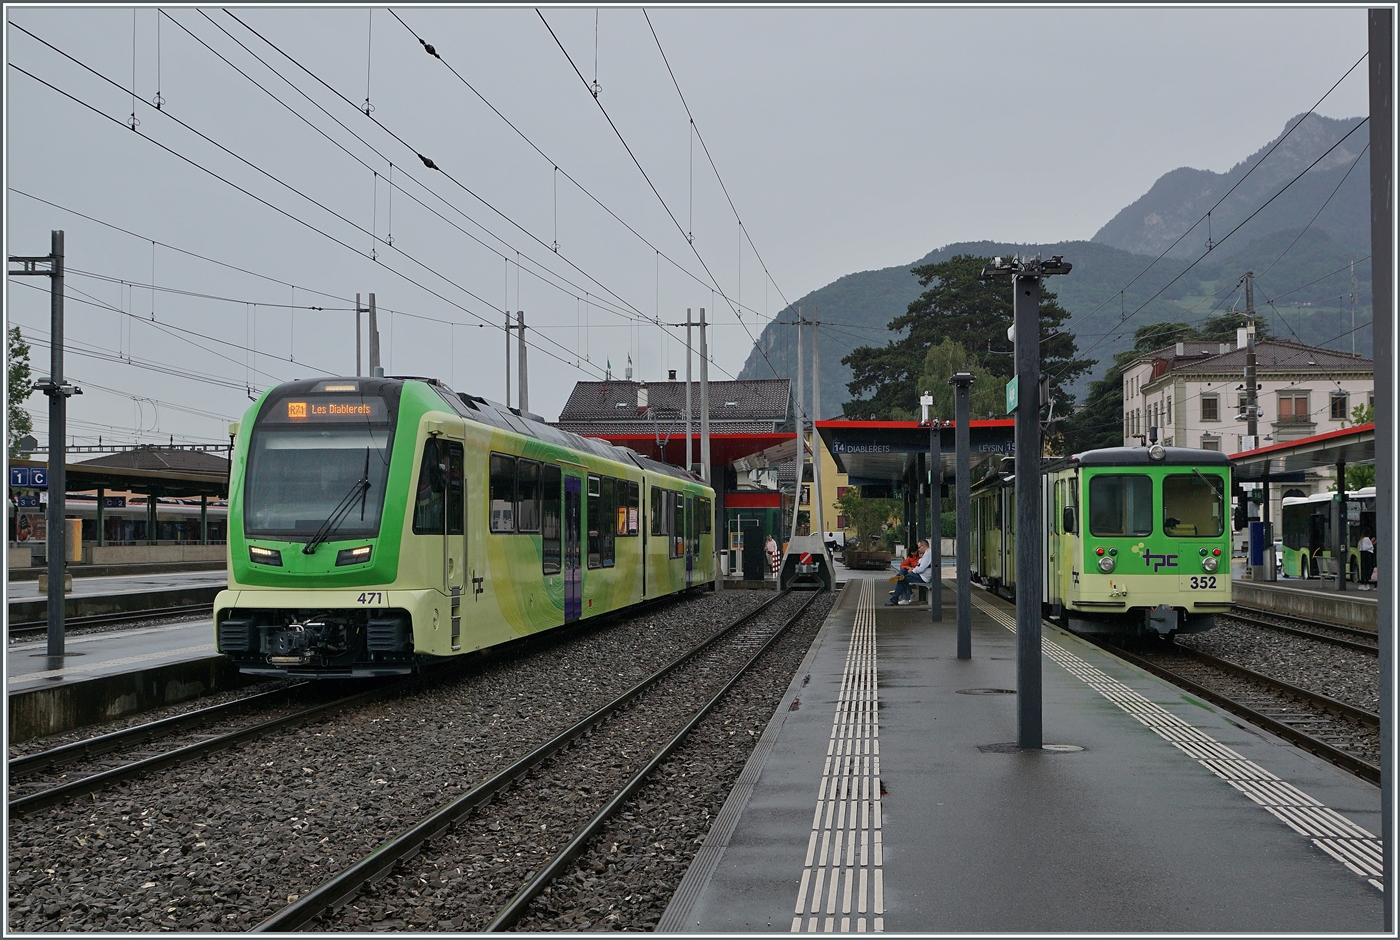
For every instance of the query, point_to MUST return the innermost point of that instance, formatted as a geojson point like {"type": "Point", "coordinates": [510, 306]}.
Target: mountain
{"type": "Point", "coordinates": [1303, 271]}
{"type": "Point", "coordinates": [1179, 198]}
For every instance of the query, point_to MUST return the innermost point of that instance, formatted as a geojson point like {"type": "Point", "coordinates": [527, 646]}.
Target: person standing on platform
{"type": "Point", "coordinates": [1367, 548]}
{"type": "Point", "coordinates": [919, 574]}
{"type": "Point", "coordinates": [775, 557]}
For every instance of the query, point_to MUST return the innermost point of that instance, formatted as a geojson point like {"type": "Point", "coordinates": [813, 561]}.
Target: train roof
{"type": "Point", "coordinates": [1138, 456]}
{"type": "Point", "coordinates": [484, 411]}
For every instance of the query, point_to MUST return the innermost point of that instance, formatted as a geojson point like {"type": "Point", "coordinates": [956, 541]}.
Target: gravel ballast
{"type": "Point", "coordinates": [223, 842]}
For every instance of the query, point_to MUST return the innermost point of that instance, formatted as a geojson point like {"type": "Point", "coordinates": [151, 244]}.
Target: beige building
{"type": "Point", "coordinates": [1193, 393]}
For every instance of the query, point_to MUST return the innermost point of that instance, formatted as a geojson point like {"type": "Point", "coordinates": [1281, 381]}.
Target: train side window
{"type": "Point", "coordinates": [551, 482]}
{"type": "Point", "coordinates": [629, 507]}
{"type": "Point", "coordinates": [527, 497]}
{"type": "Point", "coordinates": [705, 520]}
{"type": "Point", "coordinates": [432, 488]}
{"type": "Point", "coordinates": [1193, 505]}
{"type": "Point", "coordinates": [456, 505]}
{"type": "Point", "coordinates": [656, 510]}
{"type": "Point", "coordinates": [595, 511]}
{"type": "Point", "coordinates": [502, 493]}
{"type": "Point", "coordinates": [620, 507]}
{"type": "Point", "coordinates": [1120, 504]}
{"type": "Point", "coordinates": [607, 523]}
{"type": "Point", "coordinates": [677, 525]}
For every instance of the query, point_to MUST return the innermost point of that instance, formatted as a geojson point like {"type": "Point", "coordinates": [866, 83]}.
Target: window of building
{"type": "Point", "coordinates": [1210, 407]}
{"type": "Point", "coordinates": [1169, 409]}
{"type": "Point", "coordinates": [1339, 410]}
{"type": "Point", "coordinates": [1210, 443]}
{"type": "Point", "coordinates": [502, 493]}
{"type": "Point", "coordinates": [1293, 408]}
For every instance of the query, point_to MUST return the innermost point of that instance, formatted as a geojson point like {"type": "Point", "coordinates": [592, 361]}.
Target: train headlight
{"type": "Point", "coordinates": [1107, 564]}
{"type": "Point", "coordinates": [265, 556]}
{"type": "Point", "coordinates": [1210, 563]}
{"type": "Point", "coordinates": [353, 556]}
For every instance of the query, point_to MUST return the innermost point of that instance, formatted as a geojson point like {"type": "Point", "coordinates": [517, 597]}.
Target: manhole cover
{"type": "Point", "coordinates": [986, 691]}
{"type": "Point", "coordinates": [1014, 748]}
{"type": "Point", "coordinates": [1062, 748]}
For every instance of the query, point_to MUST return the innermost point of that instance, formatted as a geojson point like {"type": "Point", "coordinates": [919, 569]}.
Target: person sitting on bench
{"type": "Point", "coordinates": [919, 574]}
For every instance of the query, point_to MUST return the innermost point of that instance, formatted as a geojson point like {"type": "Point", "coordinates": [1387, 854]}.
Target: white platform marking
{"type": "Point", "coordinates": [848, 801]}
{"type": "Point", "coordinates": [1339, 837]}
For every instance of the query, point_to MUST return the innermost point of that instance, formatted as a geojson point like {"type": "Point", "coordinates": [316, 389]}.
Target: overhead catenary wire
{"type": "Point", "coordinates": [1232, 231]}
{"type": "Point", "coordinates": [278, 209]}
{"type": "Point", "coordinates": [714, 282]}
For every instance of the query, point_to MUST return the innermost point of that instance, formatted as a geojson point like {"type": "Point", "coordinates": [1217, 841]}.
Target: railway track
{"type": "Point", "coordinates": [36, 628]}
{"type": "Point", "coordinates": [1335, 731]}
{"type": "Point", "coordinates": [1347, 637]}
{"type": "Point", "coordinates": [47, 778]}
{"type": "Point", "coordinates": [511, 789]}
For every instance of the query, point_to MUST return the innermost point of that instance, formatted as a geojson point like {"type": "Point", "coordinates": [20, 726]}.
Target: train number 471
{"type": "Point", "coordinates": [372, 597]}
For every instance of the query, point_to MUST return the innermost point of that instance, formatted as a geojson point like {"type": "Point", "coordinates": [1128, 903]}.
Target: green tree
{"type": "Point", "coordinates": [987, 396]}
{"type": "Point", "coordinates": [869, 517]}
{"type": "Point", "coordinates": [17, 375]}
{"type": "Point", "coordinates": [1363, 414]}
{"type": "Point", "coordinates": [1361, 476]}
{"type": "Point", "coordinates": [956, 303]}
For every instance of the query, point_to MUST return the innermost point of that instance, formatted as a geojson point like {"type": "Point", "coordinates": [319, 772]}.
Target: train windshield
{"type": "Point", "coordinates": [1120, 504]}
{"type": "Point", "coordinates": [1193, 505]}
{"type": "Point", "coordinates": [298, 477]}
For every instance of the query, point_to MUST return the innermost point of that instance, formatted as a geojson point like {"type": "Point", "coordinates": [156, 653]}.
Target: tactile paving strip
{"type": "Point", "coordinates": [1339, 837]}
{"type": "Point", "coordinates": [842, 885]}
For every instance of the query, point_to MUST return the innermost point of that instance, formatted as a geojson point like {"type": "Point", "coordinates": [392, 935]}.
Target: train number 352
{"type": "Point", "coordinates": [1203, 583]}
{"type": "Point", "coordinates": [377, 597]}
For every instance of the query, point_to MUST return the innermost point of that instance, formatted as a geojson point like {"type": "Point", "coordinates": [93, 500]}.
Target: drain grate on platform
{"type": "Point", "coordinates": [986, 691]}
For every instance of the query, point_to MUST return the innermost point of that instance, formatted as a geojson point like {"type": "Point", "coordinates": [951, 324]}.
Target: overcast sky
{"type": "Point", "coordinates": [847, 140]}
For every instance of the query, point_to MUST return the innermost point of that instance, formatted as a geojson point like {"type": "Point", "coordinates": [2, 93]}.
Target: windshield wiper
{"type": "Point", "coordinates": [359, 490]}
{"type": "Point", "coordinates": [1219, 491]}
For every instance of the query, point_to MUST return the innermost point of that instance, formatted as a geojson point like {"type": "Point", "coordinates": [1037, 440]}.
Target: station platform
{"type": "Point", "coordinates": [887, 795]}
{"type": "Point", "coordinates": [118, 593]}
{"type": "Point", "coordinates": [106, 675]}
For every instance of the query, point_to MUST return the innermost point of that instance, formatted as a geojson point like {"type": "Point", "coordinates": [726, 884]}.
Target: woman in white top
{"type": "Point", "coordinates": [1368, 557]}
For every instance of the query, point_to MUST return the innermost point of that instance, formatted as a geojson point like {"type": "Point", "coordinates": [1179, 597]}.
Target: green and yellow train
{"type": "Point", "coordinates": [377, 525]}
{"type": "Point", "coordinates": [1136, 539]}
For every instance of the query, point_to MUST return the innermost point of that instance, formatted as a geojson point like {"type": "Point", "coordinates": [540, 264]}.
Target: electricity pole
{"type": "Point", "coordinates": [58, 392]}
{"type": "Point", "coordinates": [359, 367]}
{"type": "Point", "coordinates": [508, 329]}
{"type": "Point", "coordinates": [524, 380]}
{"type": "Point", "coordinates": [797, 411]}
{"type": "Point", "coordinates": [689, 459]}
{"type": "Point", "coordinates": [819, 516]}
{"type": "Point", "coordinates": [1251, 390]}
{"type": "Point", "coordinates": [375, 367]}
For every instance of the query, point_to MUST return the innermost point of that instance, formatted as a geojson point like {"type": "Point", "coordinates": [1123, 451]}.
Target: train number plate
{"type": "Point", "coordinates": [1201, 582]}
{"type": "Point", "coordinates": [372, 597]}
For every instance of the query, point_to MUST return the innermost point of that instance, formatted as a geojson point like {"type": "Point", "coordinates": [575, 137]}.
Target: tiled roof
{"type": "Point", "coordinates": [1273, 355]}
{"type": "Point", "coordinates": [764, 400]}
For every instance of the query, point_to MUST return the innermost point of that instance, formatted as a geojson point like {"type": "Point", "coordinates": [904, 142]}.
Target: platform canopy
{"type": "Point", "coordinates": [156, 471]}
{"type": "Point", "coordinates": [1289, 461]}
{"type": "Point", "coordinates": [875, 453]}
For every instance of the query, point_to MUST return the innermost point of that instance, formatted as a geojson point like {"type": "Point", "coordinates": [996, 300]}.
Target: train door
{"type": "Point", "coordinates": [643, 529]}
{"type": "Point", "coordinates": [573, 548]}
{"type": "Point", "coordinates": [690, 540]}
{"type": "Point", "coordinates": [455, 538]}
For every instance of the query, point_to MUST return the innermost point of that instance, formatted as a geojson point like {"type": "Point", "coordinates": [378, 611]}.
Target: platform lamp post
{"type": "Point", "coordinates": [962, 447]}
{"type": "Point", "coordinates": [58, 392]}
{"type": "Point", "coordinates": [1022, 399]}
